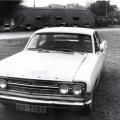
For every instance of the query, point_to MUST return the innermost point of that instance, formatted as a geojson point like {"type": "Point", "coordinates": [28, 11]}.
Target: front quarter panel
{"type": "Point", "coordinates": [90, 69]}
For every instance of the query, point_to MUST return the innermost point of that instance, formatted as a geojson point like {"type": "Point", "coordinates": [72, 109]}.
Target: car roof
{"type": "Point", "coordinates": [78, 30]}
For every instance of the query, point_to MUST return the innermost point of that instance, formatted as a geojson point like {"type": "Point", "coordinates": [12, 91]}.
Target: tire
{"type": "Point", "coordinates": [98, 81]}
{"type": "Point", "coordinates": [2, 108]}
{"type": "Point", "coordinates": [87, 110]}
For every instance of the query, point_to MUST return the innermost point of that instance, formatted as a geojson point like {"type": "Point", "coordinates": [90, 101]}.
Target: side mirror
{"type": "Point", "coordinates": [103, 46]}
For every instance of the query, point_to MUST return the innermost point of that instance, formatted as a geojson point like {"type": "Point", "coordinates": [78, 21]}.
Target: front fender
{"type": "Point", "coordinates": [89, 71]}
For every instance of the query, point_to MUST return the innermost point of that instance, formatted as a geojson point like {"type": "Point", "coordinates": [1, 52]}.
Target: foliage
{"type": "Point", "coordinates": [101, 8]}
{"type": "Point", "coordinates": [8, 6]}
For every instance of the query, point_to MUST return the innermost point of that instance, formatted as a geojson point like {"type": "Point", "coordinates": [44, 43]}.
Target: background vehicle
{"type": "Point", "coordinates": [7, 27]}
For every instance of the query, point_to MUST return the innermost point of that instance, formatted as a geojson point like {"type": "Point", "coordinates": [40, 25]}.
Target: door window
{"type": "Point", "coordinates": [97, 41]}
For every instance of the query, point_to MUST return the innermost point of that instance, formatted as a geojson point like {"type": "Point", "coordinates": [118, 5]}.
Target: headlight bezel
{"type": "Point", "coordinates": [71, 86]}
{"type": "Point", "coordinates": [67, 87]}
{"type": "Point", "coordinates": [3, 84]}
{"type": "Point", "coordinates": [79, 91]}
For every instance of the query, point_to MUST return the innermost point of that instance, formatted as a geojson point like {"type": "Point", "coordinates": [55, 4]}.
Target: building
{"type": "Point", "coordinates": [53, 15]}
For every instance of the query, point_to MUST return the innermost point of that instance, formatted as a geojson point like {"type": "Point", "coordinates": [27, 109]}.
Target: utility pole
{"type": "Point", "coordinates": [106, 11]}
{"type": "Point", "coordinates": [34, 3]}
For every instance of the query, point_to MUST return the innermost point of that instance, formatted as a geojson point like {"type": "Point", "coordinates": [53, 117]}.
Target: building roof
{"type": "Point", "coordinates": [78, 30]}
{"type": "Point", "coordinates": [67, 7]}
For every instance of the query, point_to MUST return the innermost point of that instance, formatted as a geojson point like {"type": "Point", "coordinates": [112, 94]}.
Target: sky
{"type": "Point", "coordinates": [42, 3]}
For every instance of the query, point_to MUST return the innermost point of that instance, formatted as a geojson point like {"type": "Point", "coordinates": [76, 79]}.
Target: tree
{"type": "Point", "coordinates": [102, 8]}
{"type": "Point", "coordinates": [7, 7]}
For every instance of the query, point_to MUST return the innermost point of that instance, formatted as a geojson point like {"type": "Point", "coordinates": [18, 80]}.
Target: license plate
{"type": "Point", "coordinates": [31, 108]}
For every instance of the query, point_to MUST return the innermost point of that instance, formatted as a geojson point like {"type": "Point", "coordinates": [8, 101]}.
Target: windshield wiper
{"type": "Point", "coordinates": [32, 48]}
{"type": "Point", "coordinates": [69, 50]}
{"type": "Point", "coordinates": [39, 49]}
{"type": "Point", "coordinates": [65, 50]}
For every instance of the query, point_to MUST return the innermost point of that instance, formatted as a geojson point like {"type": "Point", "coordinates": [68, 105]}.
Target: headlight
{"type": "Point", "coordinates": [3, 84]}
{"type": "Point", "coordinates": [64, 89]}
{"type": "Point", "coordinates": [77, 90]}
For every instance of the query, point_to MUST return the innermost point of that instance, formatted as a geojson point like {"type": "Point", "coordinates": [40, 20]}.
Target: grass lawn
{"type": "Point", "coordinates": [12, 46]}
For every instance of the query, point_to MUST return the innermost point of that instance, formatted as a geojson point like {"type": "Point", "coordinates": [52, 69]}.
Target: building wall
{"type": "Point", "coordinates": [40, 17]}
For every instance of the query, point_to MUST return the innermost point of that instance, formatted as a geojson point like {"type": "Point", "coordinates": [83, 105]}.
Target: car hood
{"type": "Point", "coordinates": [42, 65]}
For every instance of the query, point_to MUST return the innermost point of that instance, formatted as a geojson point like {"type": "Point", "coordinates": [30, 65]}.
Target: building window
{"type": "Point", "coordinates": [38, 18]}
{"type": "Point", "coordinates": [76, 21]}
{"type": "Point", "coordinates": [59, 18]}
{"type": "Point", "coordinates": [75, 18]}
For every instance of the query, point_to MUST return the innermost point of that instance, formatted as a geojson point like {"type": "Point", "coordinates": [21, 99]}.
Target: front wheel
{"type": "Point", "coordinates": [87, 109]}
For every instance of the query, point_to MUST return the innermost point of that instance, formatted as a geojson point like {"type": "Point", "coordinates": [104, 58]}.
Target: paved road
{"type": "Point", "coordinates": [11, 114]}
{"type": "Point", "coordinates": [14, 35]}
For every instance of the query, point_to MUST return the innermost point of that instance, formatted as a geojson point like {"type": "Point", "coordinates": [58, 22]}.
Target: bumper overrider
{"type": "Point", "coordinates": [58, 101]}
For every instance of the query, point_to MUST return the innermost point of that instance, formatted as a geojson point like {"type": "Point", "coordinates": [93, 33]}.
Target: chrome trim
{"type": "Point", "coordinates": [88, 102]}
{"type": "Point", "coordinates": [43, 96]}
{"type": "Point", "coordinates": [45, 101]}
{"type": "Point", "coordinates": [4, 81]}
{"type": "Point", "coordinates": [25, 85]}
{"type": "Point", "coordinates": [23, 92]}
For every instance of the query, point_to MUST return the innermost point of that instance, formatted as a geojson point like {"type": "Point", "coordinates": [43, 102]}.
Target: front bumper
{"type": "Point", "coordinates": [46, 100]}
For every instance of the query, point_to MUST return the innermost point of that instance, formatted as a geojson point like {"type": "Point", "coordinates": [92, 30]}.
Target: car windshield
{"type": "Point", "coordinates": [61, 42]}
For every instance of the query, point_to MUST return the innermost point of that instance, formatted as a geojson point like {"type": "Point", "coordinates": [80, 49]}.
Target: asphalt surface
{"type": "Point", "coordinates": [107, 96]}
{"type": "Point", "coordinates": [14, 35]}
{"type": "Point", "coordinates": [26, 34]}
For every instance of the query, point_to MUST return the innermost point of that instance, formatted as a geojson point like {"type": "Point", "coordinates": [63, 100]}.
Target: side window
{"type": "Point", "coordinates": [97, 43]}
{"type": "Point", "coordinates": [98, 37]}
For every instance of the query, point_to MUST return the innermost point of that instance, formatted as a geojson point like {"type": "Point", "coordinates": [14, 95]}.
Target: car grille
{"type": "Point", "coordinates": [38, 87]}
{"type": "Point", "coordinates": [32, 86]}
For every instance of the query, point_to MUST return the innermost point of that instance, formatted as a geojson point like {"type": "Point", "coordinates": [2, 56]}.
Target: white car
{"type": "Point", "coordinates": [59, 67]}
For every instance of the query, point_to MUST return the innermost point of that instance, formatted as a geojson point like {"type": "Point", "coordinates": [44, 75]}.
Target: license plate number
{"type": "Point", "coordinates": [31, 108]}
